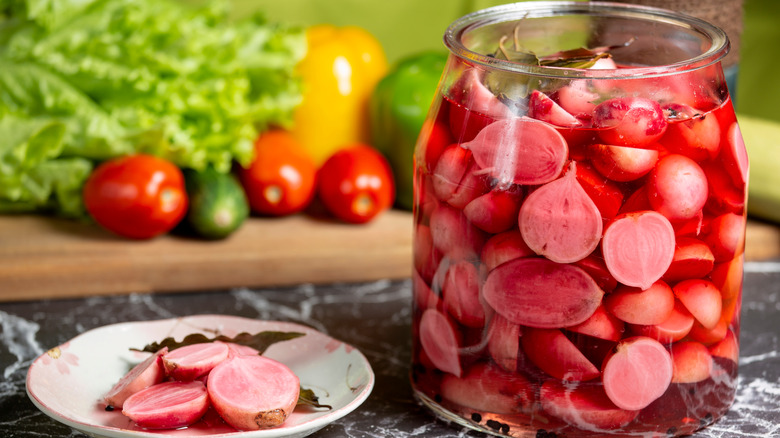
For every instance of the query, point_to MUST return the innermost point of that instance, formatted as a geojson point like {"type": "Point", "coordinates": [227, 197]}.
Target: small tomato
{"type": "Point", "coordinates": [356, 184]}
{"type": "Point", "coordinates": [137, 196]}
{"type": "Point", "coordinates": [281, 179]}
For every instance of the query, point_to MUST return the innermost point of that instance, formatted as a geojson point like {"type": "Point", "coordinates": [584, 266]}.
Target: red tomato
{"type": "Point", "coordinates": [281, 179]}
{"type": "Point", "coordinates": [356, 184]}
{"type": "Point", "coordinates": [138, 196]}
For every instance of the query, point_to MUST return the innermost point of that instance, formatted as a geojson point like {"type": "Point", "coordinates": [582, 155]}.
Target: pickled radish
{"type": "Point", "coordinates": [595, 267]}
{"type": "Point", "coordinates": [488, 388]}
{"type": "Point", "coordinates": [536, 292]}
{"type": "Point", "coordinates": [504, 342]}
{"type": "Point", "coordinates": [577, 99]}
{"type": "Point", "coordinates": [677, 187]}
{"type": "Point", "coordinates": [633, 305]}
{"type": "Point", "coordinates": [253, 392]}
{"type": "Point", "coordinates": [454, 235]}
{"type": "Point", "coordinates": [735, 156]}
{"type": "Point", "coordinates": [726, 237]}
{"type": "Point", "coordinates": [724, 196]}
{"type": "Point", "coordinates": [148, 372]}
{"type": "Point", "coordinates": [702, 299]}
{"type": "Point", "coordinates": [675, 327]}
{"type": "Point", "coordinates": [519, 151]}
{"type": "Point", "coordinates": [556, 355]}
{"type": "Point", "coordinates": [727, 277]}
{"type": "Point", "coordinates": [424, 297]}
{"type": "Point", "coordinates": [440, 340]}
{"type": "Point", "coordinates": [504, 247]}
{"type": "Point", "coordinates": [426, 258]}
{"type": "Point", "coordinates": [585, 406]}
{"type": "Point", "coordinates": [692, 259]}
{"type": "Point", "coordinates": [620, 163]}
{"type": "Point", "coordinates": [636, 201]}
{"type": "Point", "coordinates": [192, 361]}
{"type": "Point", "coordinates": [602, 325]}
{"type": "Point", "coordinates": [560, 221]}
{"type": "Point", "coordinates": [456, 179]}
{"type": "Point", "coordinates": [460, 292]}
{"type": "Point", "coordinates": [607, 196]}
{"type": "Point", "coordinates": [692, 133]}
{"type": "Point", "coordinates": [692, 362]}
{"type": "Point", "coordinates": [541, 107]}
{"type": "Point", "coordinates": [638, 248]}
{"type": "Point", "coordinates": [168, 405]}
{"type": "Point", "coordinates": [495, 211]}
{"type": "Point", "coordinates": [638, 372]}
{"type": "Point", "coordinates": [727, 348]}
{"type": "Point", "coordinates": [629, 121]}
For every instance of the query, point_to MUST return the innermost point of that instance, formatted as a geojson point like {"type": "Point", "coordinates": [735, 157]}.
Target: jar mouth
{"type": "Point", "coordinates": [713, 43]}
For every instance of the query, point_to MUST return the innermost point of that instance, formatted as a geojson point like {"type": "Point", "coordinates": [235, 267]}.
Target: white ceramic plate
{"type": "Point", "coordinates": [68, 381]}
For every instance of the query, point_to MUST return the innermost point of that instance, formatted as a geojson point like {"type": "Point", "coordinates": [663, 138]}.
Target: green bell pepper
{"type": "Point", "coordinates": [398, 108]}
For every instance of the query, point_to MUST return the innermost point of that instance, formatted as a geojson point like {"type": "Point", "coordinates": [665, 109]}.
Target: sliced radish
{"type": "Point", "coordinates": [519, 151]}
{"type": "Point", "coordinates": [426, 257]}
{"type": "Point", "coordinates": [577, 99]}
{"type": "Point", "coordinates": [692, 259]}
{"type": "Point", "coordinates": [472, 106]}
{"type": "Point", "coordinates": [454, 235]}
{"type": "Point", "coordinates": [629, 121]}
{"type": "Point", "coordinates": [539, 293]}
{"type": "Point", "coordinates": [702, 299]}
{"type": "Point", "coordinates": [424, 297]}
{"type": "Point", "coordinates": [602, 325]}
{"type": "Point", "coordinates": [495, 211]}
{"type": "Point", "coordinates": [709, 336]}
{"type": "Point", "coordinates": [727, 277]}
{"type": "Point", "coordinates": [460, 292]}
{"type": "Point", "coordinates": [253, 392]}
{"type": "Point", "coordinates": [435, 136]}
{"type": "Point", "coordinates": [504, 342]}
{"type": "Point", "coordinates": [584, 406]}
{"type": "Point", "coordinates": [637, 201]}
{"type": "Point", "coordinates": [692, 362]}
{"type": "Point", "coordinates": [168, 405]}
{"type": "Point", "coordinates": [488, 388]}
{"type": "Point", "coordinates": [552, 352]}
{"type": "Point", "coordinates": [726, 237]}
{"type": "Point", "coordinates": [727, 348]}
{"type": "Point", "coordinates": [724, 197]}
{"type": "Point", "coordinates": [456, 179]}
{"type": "Point", "coordinates": [503, 247]}
{"type": "Point", "coordinates": [143, 375]}
{"type": "Point", "coordinates": [638, 248]}
{"type": "Point", "coordinates": [677, 187]}
{"type": "Point", "coordinates": [595, 267]}
{"type": "Point", "coordinates": [541, 107]}
{"type": "Point", "coordinates": [440, 341]}
{"type": "Point", "coordinates": [675, 327]}
{"type": "Point", "coordinates": [735, 156]}
{"type": "Point", "coordinates": [607, 196]}
{"type": "Point", "coordinates": [192, 361]}
{"type": "Point", "coordinates": [621, 163]}
{"type": "Point", "coordinates": [560, 221]}
{"type": "Point", "coordinates": [633, 305]}
{"type": "Point", "coordinates": [691, 132]}
{"type": "Point", "coordinates": [638, 372]}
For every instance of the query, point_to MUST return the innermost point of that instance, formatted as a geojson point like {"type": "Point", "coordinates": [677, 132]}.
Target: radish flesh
{"type": "Point", "coordinates": [440, 341]}
{"type": "Point", "coordinates": [143, 375]}
{"type": "Point", "coordinates": [192, 361]}
{"type": "Point", "coordinates": [637, 373]}
{"type": "Point", "coordinates": [253, 392]}
{"type": "Point", "coordinates": [585, 406]}
{"type": "Point", "coordinates": [168, 405]}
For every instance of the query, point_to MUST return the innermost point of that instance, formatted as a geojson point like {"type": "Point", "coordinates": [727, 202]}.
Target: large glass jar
{"type": "Point", "coordinates": [580, 193]}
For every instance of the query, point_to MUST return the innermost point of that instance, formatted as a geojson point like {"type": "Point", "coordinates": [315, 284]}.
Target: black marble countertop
{"type": "Point", "coordinates": [375, 317]}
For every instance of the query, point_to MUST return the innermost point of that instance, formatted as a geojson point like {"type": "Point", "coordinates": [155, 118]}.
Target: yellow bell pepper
{"type": "Point", "coordinates": [339, 72]}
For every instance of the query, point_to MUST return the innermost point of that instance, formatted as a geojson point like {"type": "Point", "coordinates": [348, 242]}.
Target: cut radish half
{"type": "Point", "coordinates": [440, 341]}
{"type": "Point", "coordinates": [637, 373]}
{"type": "Point", "coordinates": [641, 306]}
{"type": "Point", "coordinates": [168, 405]}
{"type": "Point", "coordinates": [584, 406]}
{"type": "Point", "coordinates": [192, 361]}
{"type": "Point", "coordinates": [488, 388]}
{"type": "Point", "coordinates": [556, 355]}
{"type": "Point", "coordinates": [145, 374]}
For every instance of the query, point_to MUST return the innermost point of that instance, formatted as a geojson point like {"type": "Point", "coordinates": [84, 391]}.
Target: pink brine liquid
{"type": "Point", "coordinates": [578, 256]}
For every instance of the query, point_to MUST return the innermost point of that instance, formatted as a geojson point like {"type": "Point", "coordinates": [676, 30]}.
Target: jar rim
{"type": "Point", "coordinates": [718, 49]}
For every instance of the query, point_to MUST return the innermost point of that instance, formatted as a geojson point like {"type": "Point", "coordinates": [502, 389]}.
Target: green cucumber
{"type": "Point", "coordinates": [218, 204]}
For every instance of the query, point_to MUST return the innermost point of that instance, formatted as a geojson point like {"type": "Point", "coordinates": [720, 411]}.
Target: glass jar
{"type": "Point", "coordinates": [579, 210]}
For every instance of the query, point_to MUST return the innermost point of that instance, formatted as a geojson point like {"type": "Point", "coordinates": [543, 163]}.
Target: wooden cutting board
{"type": "Point", "coordinates": [43, 257]}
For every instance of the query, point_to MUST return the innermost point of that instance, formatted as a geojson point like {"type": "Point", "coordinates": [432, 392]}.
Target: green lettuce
{"type": "Point", "coordinates": [83, 81]}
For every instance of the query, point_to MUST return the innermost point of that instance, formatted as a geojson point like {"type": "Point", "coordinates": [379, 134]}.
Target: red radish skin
{"type": "Point", "coordinates": [735, 156]}
{"type": "Point", "coordinates": [690, 132]}
{"type": "Point", "coordinates": [638, 372]}
{"type": "Point", "coordinates": [457, 180]}
{"type": "Point", "coordinates": [143, 375]}
{"type": "Point", "coordinates": [727, 348]}
{"type": "Point", "coordinates": [168, 405]}
{"type": "Point", "coordinates": [726, 237]}
{"type": "Point", "coordinates": [460, 292]}
{"type": "Point", "coordinates": [504, 247]}
{"type": "Point", "coordinates": [620, 163]}
{"type": "Point", "coordinates": [504, 342]}
{"type": "Point", "coordinates": [426, 257]}
{"type": "Point", "coordinates": [636, 201]}
{"type": "Point", "coordinates": [472, 106]}
{"type": "Point", "coordinates": [638, 248]}
{"type": "Point", "coordinates": [488, 388]}
{"type": "Point", "coordinates": [674, 328]}
{"type": "Point", "coordinates": [495, 211]}
{"type": "Point", "coordinates": [541, 107]}
{"type": "Point", "coordinates": [724, 197]}
{"type": "Point", "coordinates": [552, 352]}
{"type": "Point", "coordinates": [595, 267]}
{"type": "Point", "coordinates": [577, 99]}
{"type": "Point", "coordinates": [438, 138]}
{"type": "Point", "coordinates": [692, 362]}
{"type": "Point", "coordinates": [702, 299]}
{"type": "Point", "coordinates": [536, 292]}
{"type": "Point", "coordinates": [706, 336]}
{"type": "Point", "coordinates": [629, 121]}
{"type": "Point", "coordinates": [519, 151]}
{"type": "Point", "coordinates": [602, 325]}
{"type": "Point", "coordinates": [584, 406]}
{"type": "Point", "coordinates": [454, 235]}
{"type": "Point", "coordinates": [641, 306]}
{"type": "Point", "coordinates": [440, 341]}
{"type": "Point", "coordinates": [692, 259]}
{"type": "Point", "coordinates": [677, 187]}
{"type": "Point", "coordinates": [192, 361]}
{"type": "Point", "coordinates": [424, 297]}
{"type": "Point", "coordinates": [253, 392]}
{"type": "Point", "coordinates": [607, 196]}
{"type": "Point", "coordinates": [727, 277]}
{"type": "Point", "coordinates": [560, 221]}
